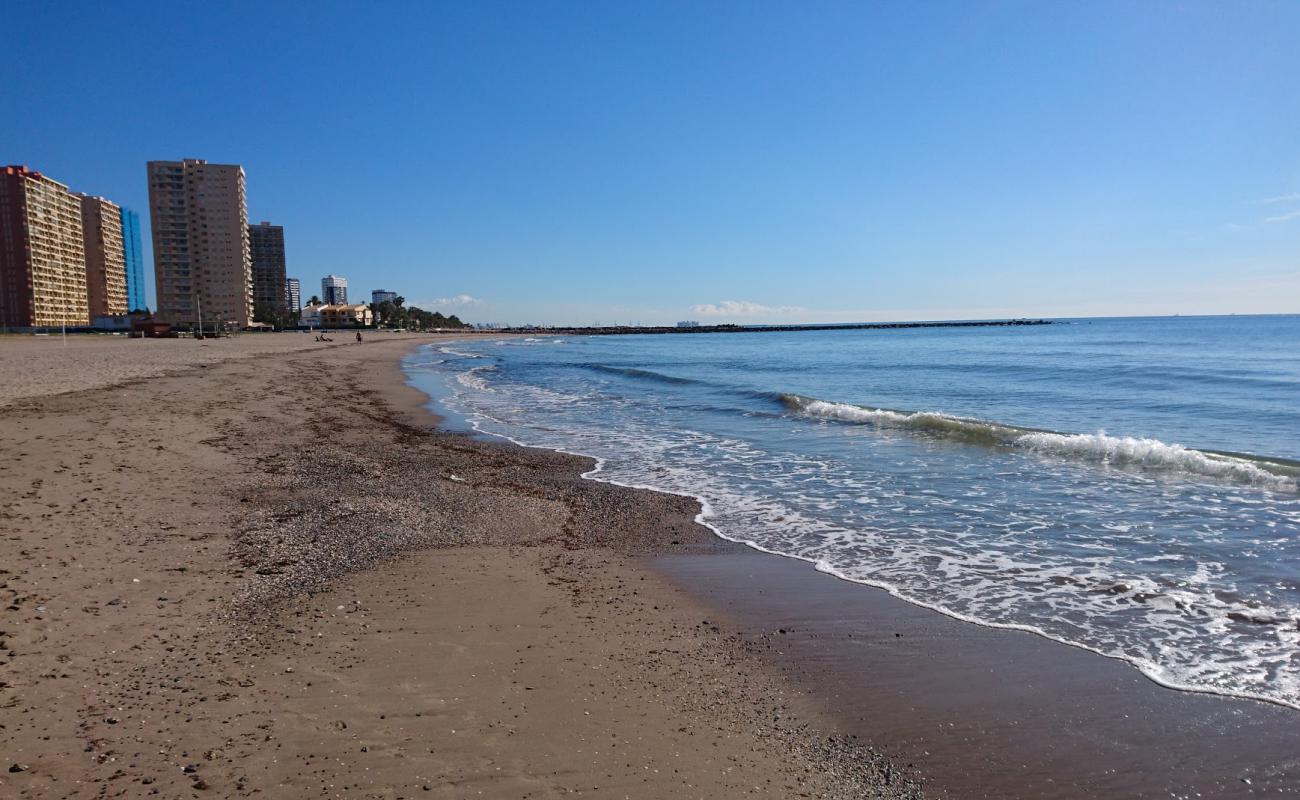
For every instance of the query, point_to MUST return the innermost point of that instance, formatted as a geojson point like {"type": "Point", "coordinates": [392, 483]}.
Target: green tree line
{"type": "Point", "coordinates": [396, 314]}
{"type": "Point", "coordinates": [388, 314]}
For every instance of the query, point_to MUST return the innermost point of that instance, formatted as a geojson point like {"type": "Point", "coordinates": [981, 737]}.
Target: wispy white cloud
{"type": "Point", "coordinates": [1293, 197]}
{"type": "Point", "coordinates": [742, 308]}
{"type": "Point", "coordinates": [458, 300]}
{"type": "Point", "coordinates": [1290, 215]}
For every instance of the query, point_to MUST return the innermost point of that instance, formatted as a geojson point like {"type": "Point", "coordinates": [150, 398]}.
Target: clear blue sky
{"type": "Point", "coordinates": [744, 161]}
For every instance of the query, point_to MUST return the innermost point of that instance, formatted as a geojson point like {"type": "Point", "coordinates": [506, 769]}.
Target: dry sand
{"type": "Point", "coordinates": [39, 366]}
{"type": "Point", "coordinates": [260, 572]}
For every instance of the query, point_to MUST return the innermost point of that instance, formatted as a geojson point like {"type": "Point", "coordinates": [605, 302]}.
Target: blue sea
{"type": "Point", "coordinates": [1128, 486]}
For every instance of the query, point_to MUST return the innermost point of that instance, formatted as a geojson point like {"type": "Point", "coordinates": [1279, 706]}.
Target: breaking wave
{"type": "Point", "coordinates": [472, 379]}
{"type": "Point", "coordinates": [458, 353]}
{"type": "Point", "coordinates": [1118, 451]}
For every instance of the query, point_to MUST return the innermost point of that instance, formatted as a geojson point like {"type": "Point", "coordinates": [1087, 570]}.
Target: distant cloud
{"type": "Point", "coordinates": [742, 308]}
{"type": "Point", "coordinates": [1291, 198]}
{"type": "Point", "coordinates": [458, 300]}
{"type": "Point", "coordinates": [1284, 217]}
{"type": "Point", "coordinates": [1294, 197]}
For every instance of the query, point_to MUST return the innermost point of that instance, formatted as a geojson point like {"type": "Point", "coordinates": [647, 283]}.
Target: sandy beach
{"type": "Point", "coordinates": [253, 567]}
{"type": "Point", "coordinates": [256, 566]}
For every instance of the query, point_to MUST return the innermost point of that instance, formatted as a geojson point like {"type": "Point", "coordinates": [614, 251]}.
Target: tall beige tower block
{"type": "Point", "coordinates": [202, 264]}
{"type": "Point", "coordinates": [42, 255]}
{"type": "Point", "coordinates": [101, 225]}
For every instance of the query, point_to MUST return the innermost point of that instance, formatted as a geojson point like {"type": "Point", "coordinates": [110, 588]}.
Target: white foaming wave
{"type": "Point", "coordinates": [879, 416]}
{"type": "Point", "coordinates": [471, 378]}
{"type": "Point", "coordinates": [1095, 447]}
{"type": "Point", "coordinates": [929, 421]}
{"type": "Point", "coordinates": [449, 351]}
{"type": "Point", "coordinates": [844, 411]}
{"type": "Point", "coordinates": [1152, 454]}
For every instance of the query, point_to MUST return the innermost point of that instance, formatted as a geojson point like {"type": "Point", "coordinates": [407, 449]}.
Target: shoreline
{"type": "Point", "coordinates": [705, 512]}
{"type": "Point", "coordinates": [1220, 718]}
{"type": "Point", "coordinates": [702, 519]}
{"type": "Point", "coordinates": [992, 712]}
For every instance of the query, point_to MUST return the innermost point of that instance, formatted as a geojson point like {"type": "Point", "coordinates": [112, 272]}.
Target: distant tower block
{"type": "Point", "coordinates": [266, 248]}
{"type": "Point", "coordinates": [101, 225]}
{"type": "Point", "coordinates": [199, 217]}
{"type": "Point", "coordinates": [42, 253]}
{"type": "Point", "coordinates": [334, 290]}
{"type": "Point", "coordinates": [133, 258]}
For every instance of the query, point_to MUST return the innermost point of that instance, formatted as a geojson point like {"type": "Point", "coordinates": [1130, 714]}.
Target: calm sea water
{"type": "Point", "coordinates": [1124, 485]}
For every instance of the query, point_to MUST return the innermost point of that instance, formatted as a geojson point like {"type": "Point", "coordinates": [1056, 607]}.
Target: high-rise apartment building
{"type": "Point", "coordinates": [133, 255]}
{"type": "Point", "coordinates": [42, 254]}
{"type": "Point", "coordinates": [200, 243]}
{"type": "Point", "coordinates": [266, 246]}
{"type": "Point", "coordinates": [295, 294]}
{"type": "Point", "coordinates": [101, 228]}
{"type": "Point", "coordinates": [382, 296]}
{"type": "Point", "coordinates": [334, 290]}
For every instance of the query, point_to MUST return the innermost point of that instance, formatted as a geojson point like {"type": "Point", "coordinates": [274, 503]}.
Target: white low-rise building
{"type": "Point", "coordinates": [310, 316]}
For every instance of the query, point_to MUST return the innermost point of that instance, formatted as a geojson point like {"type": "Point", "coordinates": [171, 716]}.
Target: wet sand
{"type": "Point", "coordinates": [992, 713]}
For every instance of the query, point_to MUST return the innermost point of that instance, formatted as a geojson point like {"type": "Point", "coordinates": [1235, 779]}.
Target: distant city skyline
{"type": "Point", "coordinates": [756, 162]}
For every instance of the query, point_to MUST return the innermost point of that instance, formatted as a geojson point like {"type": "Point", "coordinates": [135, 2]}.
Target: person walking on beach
{"type": "Point", "coordinates": [358, 337]}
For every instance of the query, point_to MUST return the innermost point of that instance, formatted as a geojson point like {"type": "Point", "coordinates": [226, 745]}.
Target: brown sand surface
{"type": "Point", "coordinates": [259, 573]}
{"type": "Point", "coordinates": [38, 366]}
